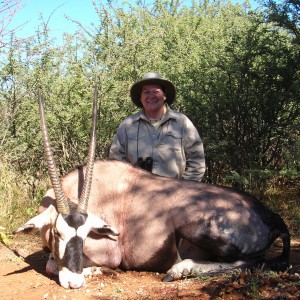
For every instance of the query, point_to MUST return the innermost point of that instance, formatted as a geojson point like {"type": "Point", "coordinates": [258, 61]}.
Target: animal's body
{"type": "Point", "coordinates": [153, 213]}
{"type": "Point", "coordinates": [121, 216]}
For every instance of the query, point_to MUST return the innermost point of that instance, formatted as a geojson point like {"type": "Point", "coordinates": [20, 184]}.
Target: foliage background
{"type": "Point", "coordinates": [237, 76]}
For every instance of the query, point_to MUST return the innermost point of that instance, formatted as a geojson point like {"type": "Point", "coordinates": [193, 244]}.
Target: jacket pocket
{"type": "Point", "coordinates": [173, 140]}
{"type": "Point", "coordinates": [134, 134]}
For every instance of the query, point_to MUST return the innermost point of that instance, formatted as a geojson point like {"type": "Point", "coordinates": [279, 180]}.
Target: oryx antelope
{"type": "Point", "coordinates": [151, 221]}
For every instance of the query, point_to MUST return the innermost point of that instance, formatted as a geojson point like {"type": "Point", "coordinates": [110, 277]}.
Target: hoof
{"type": "Point", "coordinates": [109, 271]}
{"type": "Point", "coordinates": [168, 278]}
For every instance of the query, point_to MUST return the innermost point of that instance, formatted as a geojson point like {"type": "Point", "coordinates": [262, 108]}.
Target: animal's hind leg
{"type": "Point", "coordinates": [190, 267]}
{"type": "Point", "coordinates": [188, 250]}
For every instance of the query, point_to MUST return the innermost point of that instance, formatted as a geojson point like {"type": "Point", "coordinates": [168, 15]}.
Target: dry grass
{"type": "Point", "coordinates": [16, 204]}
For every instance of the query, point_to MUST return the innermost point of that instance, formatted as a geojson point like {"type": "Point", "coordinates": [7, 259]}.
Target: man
{"type": "Point", "coordinates": [157, 138]}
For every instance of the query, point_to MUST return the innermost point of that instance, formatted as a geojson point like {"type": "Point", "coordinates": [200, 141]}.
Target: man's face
{"type": "Point", "coordinates": [152, 97]}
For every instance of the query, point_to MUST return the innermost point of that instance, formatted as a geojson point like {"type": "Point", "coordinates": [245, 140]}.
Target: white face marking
{"type": "Point", "coordinates": [65, 233]}
{"type": "Point", "coordinates": [84, 230]}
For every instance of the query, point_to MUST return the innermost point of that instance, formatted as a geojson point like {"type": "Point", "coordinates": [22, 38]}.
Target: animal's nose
{"type": "Point", "coordinates": [77, 285]}
{"type": "Point", "coordinates": [70, 280]}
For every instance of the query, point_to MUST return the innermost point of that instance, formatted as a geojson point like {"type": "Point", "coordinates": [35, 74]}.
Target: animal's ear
{"type": "Point", "coordinates": [97, 225]}
{"type": "Point", "coordinates": [106, 230]}
{"type": "Point", "coordinates": [47, 217]}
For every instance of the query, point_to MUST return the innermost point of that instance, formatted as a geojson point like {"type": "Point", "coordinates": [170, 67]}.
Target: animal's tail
{"type": "Point", "coordinates": [281, 262]}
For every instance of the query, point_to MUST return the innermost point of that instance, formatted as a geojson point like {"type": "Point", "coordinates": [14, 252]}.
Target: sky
{"type": "Point", "coordinates": [28, 17]}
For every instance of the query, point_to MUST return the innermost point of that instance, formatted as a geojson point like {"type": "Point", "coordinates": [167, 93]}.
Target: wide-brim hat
{"type": "Point", "coordinates": [152, 78]}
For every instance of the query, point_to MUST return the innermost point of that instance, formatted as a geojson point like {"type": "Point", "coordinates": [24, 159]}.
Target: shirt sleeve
{"type": "Point", "coordinates": [194, 152]}
{"type": "Point", "coordinates": [118, 147]}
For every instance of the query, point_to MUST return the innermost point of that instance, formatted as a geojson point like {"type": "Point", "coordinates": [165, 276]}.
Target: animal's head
{"type": "Point", "coordinates": [68, 226]}
{"type": "Point", "coordinates": [67, 233]}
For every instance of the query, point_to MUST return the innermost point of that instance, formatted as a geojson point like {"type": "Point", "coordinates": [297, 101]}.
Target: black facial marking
{"type": "Point", "coordinates": [76, 219]}
{"type": "Point", "coordinates": [72, 259]}
{"type": "Point", "coordinates": [106, 230]}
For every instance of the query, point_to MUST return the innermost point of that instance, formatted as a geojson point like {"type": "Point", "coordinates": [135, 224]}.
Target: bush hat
{"type": "Point", "coordinates": [152, 78]}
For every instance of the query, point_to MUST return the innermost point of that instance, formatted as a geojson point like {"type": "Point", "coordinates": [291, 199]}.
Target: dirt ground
{"type": "Point", "coordinates": [23, 276]}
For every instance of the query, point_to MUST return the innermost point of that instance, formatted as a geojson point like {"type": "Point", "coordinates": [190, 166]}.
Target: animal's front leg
{"type": "Point", "coordinates": [90, 271]}
{"type": "Point", "coordinates": [51, 266]}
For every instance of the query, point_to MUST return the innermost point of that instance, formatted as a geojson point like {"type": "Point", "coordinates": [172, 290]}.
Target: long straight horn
{"type": "Point", "coordinates": [84, 197]}
{"type": "Point", "coordinates": [62, 203]}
